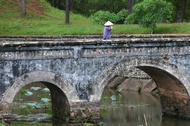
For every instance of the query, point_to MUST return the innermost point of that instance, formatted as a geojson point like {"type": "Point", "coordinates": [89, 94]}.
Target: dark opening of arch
{"type": "Point", "coordinates": [168, 84]}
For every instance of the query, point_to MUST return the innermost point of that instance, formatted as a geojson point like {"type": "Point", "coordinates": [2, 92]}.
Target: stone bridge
{"type": "Point", "coordinates": [77, 69]}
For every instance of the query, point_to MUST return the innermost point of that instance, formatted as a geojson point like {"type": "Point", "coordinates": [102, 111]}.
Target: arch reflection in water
{"type": "Point", "coordinates": [128, 108]}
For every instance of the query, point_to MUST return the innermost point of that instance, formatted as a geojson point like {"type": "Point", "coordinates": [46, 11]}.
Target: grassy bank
{"type": "Point", "coordinates": [42, 19]}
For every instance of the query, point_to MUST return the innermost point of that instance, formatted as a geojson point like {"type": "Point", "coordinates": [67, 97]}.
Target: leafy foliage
{"type": "Point", "coordinates": [121, 15]}
{"type": "Point", "coordinates": [81, 6]}
{"type": "Point", "coordinates": [1, 2]}
{"type": "Point", "coordinates": [2, 123]}
{"type": "Point", "coordinates": [101, 17]}
{"type": "Point", "coordinates": [150, 12]}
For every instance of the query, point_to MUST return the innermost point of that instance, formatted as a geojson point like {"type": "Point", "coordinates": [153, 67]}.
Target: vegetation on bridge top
{"type": "Point", "coordinates": [43, 19]}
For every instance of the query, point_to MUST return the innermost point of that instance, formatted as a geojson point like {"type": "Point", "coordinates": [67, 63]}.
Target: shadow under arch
{"type": "Point", "coordinates": [162, 72]}
{"type": "Point", "coordinates": [62, 94]}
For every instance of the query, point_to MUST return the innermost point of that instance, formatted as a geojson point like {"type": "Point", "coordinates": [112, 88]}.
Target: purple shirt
{"type": "Point", "coordinates": [107, 33]}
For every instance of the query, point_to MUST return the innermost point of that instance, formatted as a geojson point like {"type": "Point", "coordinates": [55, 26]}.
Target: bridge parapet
{"type": "Point", "coordinates": [94, 47]}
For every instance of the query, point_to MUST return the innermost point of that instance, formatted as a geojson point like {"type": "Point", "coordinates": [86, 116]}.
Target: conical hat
{"type": "Point", "coordinates": [108, 23]}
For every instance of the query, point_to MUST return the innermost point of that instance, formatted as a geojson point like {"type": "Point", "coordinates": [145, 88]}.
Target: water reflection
{"type": "Point", "coordinates": [134, 109]}
{"type": "Point", "coordinates": [174, 122]}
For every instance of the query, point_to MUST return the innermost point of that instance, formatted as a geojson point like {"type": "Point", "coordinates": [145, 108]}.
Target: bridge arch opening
{"type": "Point", "coordinates": [62, 94]}
{"type": "Point", "coordinates": [41, 98]}
{"type": "Point", "coordinates": [171, 82]}
{"type": "Point", "coordinates": [167, 83]}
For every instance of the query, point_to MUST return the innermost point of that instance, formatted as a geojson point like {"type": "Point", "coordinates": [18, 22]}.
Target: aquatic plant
{"type": "Point", "coordinates": [46, 90]}
{"type": "Point", "coordinates": [26, 92]}
{"type": "Point", "coordinates": [104, 98]}
{"type": "Point", "coordinates": [117, 94]}
{"type": "Point", "coordinates": [45, 100]}
{"type": "Point", "coordinates": [119, 90]}
{"type": "Point", "coordinates": [35, 88]}
{"type": "Point", "coordinates": [34, 105]}
{"type": "Point", "coordinates": [2, 123]}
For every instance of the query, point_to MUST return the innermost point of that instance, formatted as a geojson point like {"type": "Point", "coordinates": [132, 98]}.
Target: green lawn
{"type": "Point", "coordinates": [51, 22]}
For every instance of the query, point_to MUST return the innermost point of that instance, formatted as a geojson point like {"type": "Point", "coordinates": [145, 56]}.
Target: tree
{"type": "Point", "coordinates": [81, 6]}
{"type": "Point", "coordinates": [150, 12]}
{"type": "Point", "coordinates": [67, 12]}
{"type": "Point", "coordinates": [180, 12]}
{"type": "Point", "coordinates": [130, 5]}
{"type": "Point", "coordinates": [23, 7]}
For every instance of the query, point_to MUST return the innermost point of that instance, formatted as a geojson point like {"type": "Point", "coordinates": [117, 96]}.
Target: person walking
{"type": "Point", "coordinates": [107, 30]}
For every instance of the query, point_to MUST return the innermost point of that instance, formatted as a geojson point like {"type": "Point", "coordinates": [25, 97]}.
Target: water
{"type": "Point", "coordinates": [127, 108]}
{"type": "Point", "coordinates": [122, 108]}
{"type": "Point", "coordinates": [131, 109]}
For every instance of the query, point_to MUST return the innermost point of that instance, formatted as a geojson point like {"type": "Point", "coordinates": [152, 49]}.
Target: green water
{"type": "Point", "coordinates": [122, 108]}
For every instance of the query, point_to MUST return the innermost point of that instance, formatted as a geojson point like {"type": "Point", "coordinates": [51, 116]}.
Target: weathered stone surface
{"type": "Point", "coordinates": [115, 82]}
{"type": "Point", "coordinates": [82, 67]}
{"type": "Point", "coordinates": [85, 111]}
{"type": "Point", "coordinates": [3, 107]}
{"type": "Point", "coordinates": [148, 85]}
{"type": "Point", "coordinates": [140, 85]}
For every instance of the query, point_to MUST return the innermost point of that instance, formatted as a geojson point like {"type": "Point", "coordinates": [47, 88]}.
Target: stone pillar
{"type": "Point", "coordinates": [60, 104]}
{"type": "Point", "coordinates": [5, 112]}
{"type": "Point", "coordinates": [84, 111]}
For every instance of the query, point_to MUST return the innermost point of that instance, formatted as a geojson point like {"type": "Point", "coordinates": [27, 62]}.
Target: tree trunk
{"type": "Point", "coordinates": [24, 7]}
{"type": "Point", "coordinates": [52, 3]}
{"type": "Point", "coordinates": [130, 5]}
{"type": "Point", "coordinates": [180, 13]}
{"type": "Point", "coordinates": [70, 4]}
{"type": "Point", "coordinates": [67, 12]}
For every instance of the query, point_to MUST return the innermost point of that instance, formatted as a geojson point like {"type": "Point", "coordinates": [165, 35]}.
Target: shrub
{"type": "Point", "coordinates": [121, 15]}
{"type": "Point", "coordinates": [150, 12]}
{"type": "Point", "coordinates": [101, 17]}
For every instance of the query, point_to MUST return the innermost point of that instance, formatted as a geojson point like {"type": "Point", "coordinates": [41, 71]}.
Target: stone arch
{"type": "Point", "coordinates": [52, 81]}
{"type": "Point", "coordinates": [39, 76]}
{"type": "Point", "coordinates": [149, 65]}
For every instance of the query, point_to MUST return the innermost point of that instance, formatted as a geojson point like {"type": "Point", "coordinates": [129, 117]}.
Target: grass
{"type": "Point", "coordinates": [30, 124]}
{"type": "Point", "coordinates": [51, 22]}
{"type": "Point", "coordinates": [174, 28]}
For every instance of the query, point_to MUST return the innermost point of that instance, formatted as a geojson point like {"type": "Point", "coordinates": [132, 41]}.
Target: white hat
{"type": "Point", "coordinates": [108, 23]}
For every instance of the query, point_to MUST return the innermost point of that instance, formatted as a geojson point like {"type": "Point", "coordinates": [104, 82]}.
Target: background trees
{"type": "Point", "coordinates": [130, 5]}
{"type": "Point", "coordinates": [90, 7]}
{"type": "Point", "coordinates": [180, 8]}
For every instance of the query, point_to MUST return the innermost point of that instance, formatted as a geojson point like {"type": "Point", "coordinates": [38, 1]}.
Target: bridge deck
{"type": "Point", "coordinates": [89, 39]}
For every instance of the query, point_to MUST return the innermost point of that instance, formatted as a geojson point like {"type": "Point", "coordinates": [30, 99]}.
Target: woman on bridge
{"type": "Point", "coordinates": [107, 30]}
